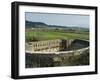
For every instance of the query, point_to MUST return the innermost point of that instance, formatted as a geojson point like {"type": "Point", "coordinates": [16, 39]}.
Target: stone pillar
{"type": "Point", "coordinates": [64, 45]}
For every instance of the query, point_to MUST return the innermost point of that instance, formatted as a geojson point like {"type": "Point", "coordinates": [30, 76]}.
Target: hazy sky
{"type": "Point", "coordinates": [59, 19]}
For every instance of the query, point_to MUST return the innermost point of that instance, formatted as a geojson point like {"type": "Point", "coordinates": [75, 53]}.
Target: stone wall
{"type": "Point", "coordinates": [52, 59]}
{"type": "Point", "coordinates": [48, 46]}
{"type": "Point", "coordinates": [55, 57]}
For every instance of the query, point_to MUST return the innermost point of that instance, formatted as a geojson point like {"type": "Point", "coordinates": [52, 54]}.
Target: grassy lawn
{"type": "Point", "coordinates": [48, 35]}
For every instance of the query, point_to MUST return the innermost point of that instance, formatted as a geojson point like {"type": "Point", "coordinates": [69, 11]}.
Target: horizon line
{"type": "Point", "coordinates": [60, 25]}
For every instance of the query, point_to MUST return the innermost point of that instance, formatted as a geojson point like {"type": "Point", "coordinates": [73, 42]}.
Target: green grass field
{"type": "Point", "coordinates": [48, 35]}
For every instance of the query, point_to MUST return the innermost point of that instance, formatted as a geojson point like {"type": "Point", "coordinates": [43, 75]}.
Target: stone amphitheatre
{"type": "Point", "coordinates": [50, 53]}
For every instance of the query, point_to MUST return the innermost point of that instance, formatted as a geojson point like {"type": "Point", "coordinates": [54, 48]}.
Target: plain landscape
{"type": "Point", "coordinates": [41, 31]}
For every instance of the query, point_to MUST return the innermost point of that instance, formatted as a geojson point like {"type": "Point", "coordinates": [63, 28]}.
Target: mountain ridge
{"type": "Point", "coordinates": [30, 24]}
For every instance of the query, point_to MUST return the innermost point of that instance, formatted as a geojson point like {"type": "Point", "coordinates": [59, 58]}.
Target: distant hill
{"type": "Point", "coordinates": [30, 24]}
